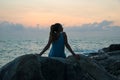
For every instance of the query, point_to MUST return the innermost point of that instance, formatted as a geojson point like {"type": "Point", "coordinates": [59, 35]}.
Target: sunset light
{"type": "Point", "coordinates": [68, 12]}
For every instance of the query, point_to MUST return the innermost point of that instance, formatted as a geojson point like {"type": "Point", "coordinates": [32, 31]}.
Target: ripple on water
{"type": "Point", "coordinates": [10, 49]}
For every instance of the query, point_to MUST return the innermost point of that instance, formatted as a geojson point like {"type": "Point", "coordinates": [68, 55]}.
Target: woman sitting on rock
{"type": "Point", "coordinates": [58, 38]}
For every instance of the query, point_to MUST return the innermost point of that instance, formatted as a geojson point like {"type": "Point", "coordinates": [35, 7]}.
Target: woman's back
{"type": "Point", "coordinates": [57, 49]}
{"type": "Point", "coordinates": [58, 42]}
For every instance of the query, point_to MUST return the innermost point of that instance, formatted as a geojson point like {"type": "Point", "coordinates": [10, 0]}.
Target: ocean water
{"type": "Point", "coordinates": [12, 48]}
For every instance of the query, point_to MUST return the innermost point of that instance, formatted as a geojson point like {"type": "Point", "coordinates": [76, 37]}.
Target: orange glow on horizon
{"type": "Point", "coordinates": [45, 20]}
{"type": "Point", "coordinates": [66, 12]}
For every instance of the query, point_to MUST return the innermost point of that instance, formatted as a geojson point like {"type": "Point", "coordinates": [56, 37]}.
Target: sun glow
{"type": "Point", "coordinates": [67, 12]}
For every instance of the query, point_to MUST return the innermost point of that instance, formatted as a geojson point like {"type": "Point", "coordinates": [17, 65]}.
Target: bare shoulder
{"type": "Point", "coordinates": [64, 33]}
{"type": "Point", "coordinates": [65, 36]}
{"type": "Point", "coordinates": [50, 39]}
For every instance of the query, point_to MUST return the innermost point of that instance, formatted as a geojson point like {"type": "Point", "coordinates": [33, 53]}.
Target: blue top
{"type": "Point", "coordinates": [57, 49]}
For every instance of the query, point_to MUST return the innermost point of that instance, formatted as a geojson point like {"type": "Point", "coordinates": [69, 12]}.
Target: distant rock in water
{"type": "Point", "coordinates": [112, 47]}
{"type": "Point", "coordinates": [33, 67]}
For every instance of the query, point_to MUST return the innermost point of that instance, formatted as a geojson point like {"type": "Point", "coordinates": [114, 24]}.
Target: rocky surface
{"type": "Point", "coordinates": [109, 58]}
{"type": "Point", "coordinates": [103, 65]}
{"type": "Point", "coordinates": [111, 48]}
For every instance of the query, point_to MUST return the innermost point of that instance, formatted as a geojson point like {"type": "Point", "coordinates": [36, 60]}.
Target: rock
{"type": "Point", "coordinates": [111, 48]}
{"type": "Point", "coordinates": [34, 67]}
{"type": "Point", "coordinates": [93, 54]}
{"type": "Point", "coordinates": [103, 50]}
{"type": "Point", "coordinates": [114, 53]}
{"type": "Point", "coordinates": [95, 70]}
{"type": "Point", "coordinates": [114, 47]}
{"type": "Point", "coordinates": [110, 61]}
{"type": "Point", "coordinates": [114, 68]}
{"type": "Point", "coordinates": [100, 57]}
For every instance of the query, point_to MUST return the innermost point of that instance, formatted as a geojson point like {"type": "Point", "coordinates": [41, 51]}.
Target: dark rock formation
{"type": "Point", "coordinates": [109, 58]}
{"type": "Point", "coordinates": [114, 47]}
{"type": "Point", "coordinates": [111, 48]}
{"type": "Point", "coordinates": [34, 67]}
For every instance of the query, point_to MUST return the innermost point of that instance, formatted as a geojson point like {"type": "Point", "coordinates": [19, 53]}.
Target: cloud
{"type": "Point", "coordinates": [102, 29]}
{"type": "Point", "coordinates": [10, 27]}
{"type": "Point", "coordinates": [11, 30]}
{"type": "Point", "coordinates": [102, 26]}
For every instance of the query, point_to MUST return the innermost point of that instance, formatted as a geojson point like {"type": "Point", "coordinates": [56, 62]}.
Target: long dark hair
{"type": "Point", "coordinates": [55, 30]}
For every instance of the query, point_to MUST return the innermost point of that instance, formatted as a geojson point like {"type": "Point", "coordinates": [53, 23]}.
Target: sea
{"type": "Point", "coordinates": [11, 48]}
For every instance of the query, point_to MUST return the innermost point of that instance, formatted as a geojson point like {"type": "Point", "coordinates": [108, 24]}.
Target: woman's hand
{"type": "Point", "coordinates": [77, 56]}
{"type": "Point", "coordinates": [40, 53]}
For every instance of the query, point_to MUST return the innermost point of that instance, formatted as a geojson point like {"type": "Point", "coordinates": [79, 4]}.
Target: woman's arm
{"type": "Point", "coordinates": [69, 48]}
{"type": "Point", "coordinates": [47, 46]}
{"type": "Point", "coordinates": [67, 44]}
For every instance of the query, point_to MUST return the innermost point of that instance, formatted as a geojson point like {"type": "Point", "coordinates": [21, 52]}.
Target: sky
{"type": "Point", "coordinates": [68, 12]}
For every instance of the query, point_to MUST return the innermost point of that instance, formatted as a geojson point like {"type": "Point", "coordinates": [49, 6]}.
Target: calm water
{"type": "Point", "coordinates": [12, 48]}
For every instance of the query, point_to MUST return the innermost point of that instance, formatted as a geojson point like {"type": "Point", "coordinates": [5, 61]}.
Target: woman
{"type": "Point", "coordinates": [58, 38]}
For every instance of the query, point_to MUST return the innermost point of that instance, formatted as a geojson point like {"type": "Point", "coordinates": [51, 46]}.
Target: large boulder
{"type": "Point", "coordinates": [34, 67]}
